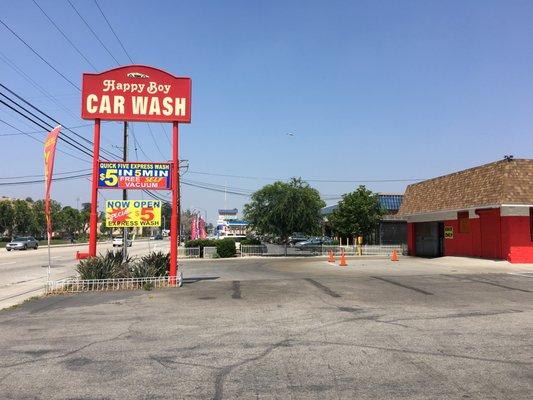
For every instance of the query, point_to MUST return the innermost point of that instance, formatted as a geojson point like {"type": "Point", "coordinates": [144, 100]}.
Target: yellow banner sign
{"type": "Point", "coordinates": [132, 213]}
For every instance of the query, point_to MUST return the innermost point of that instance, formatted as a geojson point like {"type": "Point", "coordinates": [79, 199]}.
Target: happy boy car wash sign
{"type": "Point", "coordinates": [132, 213]}
{"type": "Point", "coordinates": [136, 93]}
{"type": "Point", "coordinates": [134, 175]}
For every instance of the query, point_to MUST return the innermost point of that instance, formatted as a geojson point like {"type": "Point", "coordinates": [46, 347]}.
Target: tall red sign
{"type": "Point", "coordinates": [137, 93]}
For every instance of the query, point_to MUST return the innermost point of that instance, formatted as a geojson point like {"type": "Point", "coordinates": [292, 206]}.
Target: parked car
{"type": "Point", "coordinates": [119, 241]}
{"type": "Point", "coordinates": [309, 244]}
{"type": "Point", "coordinates": [22, 243]}
{"type": "Point", "coordinates": [297, 238]}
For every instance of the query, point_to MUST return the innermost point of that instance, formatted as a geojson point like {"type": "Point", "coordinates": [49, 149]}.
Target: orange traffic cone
{"type": "Point", "coordinates": [394, 256]}
{"type": "Point", "coordinates": [343, 260]}
{"type": "Point", "coordinates": [331, 257]}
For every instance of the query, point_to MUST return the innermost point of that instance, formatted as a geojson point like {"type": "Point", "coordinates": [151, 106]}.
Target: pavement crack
{"type": "Point", "coordinates": [322, 287]}
{"type": "Point", "coordinates": [486, 282]}
{"type": "Point", "coordinates": [419, 352]}
{"type": "Point", "coordinates": [402, 285]}
{"type": "Point", "coordinates": [225, 371]}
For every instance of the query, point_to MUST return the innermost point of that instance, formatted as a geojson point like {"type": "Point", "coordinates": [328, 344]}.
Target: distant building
{"type": "Point", "coordinates": [486, 212]}
{"type": "Point", "coordinates": [392, 229]}
{"type": "Point", "coordinates": [229, 225]}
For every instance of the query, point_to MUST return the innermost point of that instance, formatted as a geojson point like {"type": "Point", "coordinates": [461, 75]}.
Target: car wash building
{"type": "Point", "coordinates": [486, 212]}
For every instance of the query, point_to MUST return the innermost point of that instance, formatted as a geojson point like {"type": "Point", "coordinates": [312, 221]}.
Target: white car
{"type": "Point", "coordinates": [119, 241]}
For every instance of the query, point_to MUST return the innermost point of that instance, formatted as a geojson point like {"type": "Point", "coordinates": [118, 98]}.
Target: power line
{"type": "Point", "coordinates": [61, 137]}
{"type": "Point", "coordinates": [40, 175]}
{"type": "Point", "coordinates": [38, 55]}
{"type": "Point", "coordinates": [39, 131]}
{"type": "Point", "coordinates": [40, 141]}
{"type": "Point", "coordinates": [65, 178]}
{"type": "Point", "coordinates": [47, 94]}
{"type": "Point", "coordinates": [52, 119]}
{"type": "Point", "coordinates": [93, 32]}
{"type": "Point", "coordinates": [310, 179]}
{"type": "Point", "coordinates": [64, 35]}
{"type": "Point", "coordinates": [112, 30]}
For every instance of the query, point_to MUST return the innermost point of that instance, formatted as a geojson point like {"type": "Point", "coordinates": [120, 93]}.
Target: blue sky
{"type": "Point", "coordinates": [371, 90]}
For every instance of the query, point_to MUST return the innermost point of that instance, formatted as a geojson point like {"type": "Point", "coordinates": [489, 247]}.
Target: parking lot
{"type": "Point", "coordinates": [283, 328]}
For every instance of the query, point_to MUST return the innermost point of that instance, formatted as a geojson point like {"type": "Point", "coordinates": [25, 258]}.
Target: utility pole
{"type": "Point", "coordinates": [125, 194]}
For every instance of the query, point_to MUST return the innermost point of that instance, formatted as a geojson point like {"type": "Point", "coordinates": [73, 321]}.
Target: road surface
{"type": "Point", "coordinates": [23, 273]}
{"type": "Point", "coordinates": [283, 328]}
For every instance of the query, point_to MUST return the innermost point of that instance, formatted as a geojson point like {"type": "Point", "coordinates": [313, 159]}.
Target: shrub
{"type": "Point", "coordinates": [109, 265]}
{"type": "Point", "coordinates": [251, 241]}
{"type": "Point", "coordinates": [226, 248]}
{"type": "Point", "coordinates": [152, 264]}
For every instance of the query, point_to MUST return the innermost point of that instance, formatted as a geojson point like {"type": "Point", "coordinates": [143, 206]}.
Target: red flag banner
{"type": "Point", "coordinates": [49, 154]}
{"type": "Point", "coordinates": [203, 233]}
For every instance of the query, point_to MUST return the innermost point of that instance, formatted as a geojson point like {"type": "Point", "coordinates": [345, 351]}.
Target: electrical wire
{"type": "Point", "coordinates": [41, 141]}
{"type": "Point", "coordinates": [38, 55]}
{"type": "Point", "coordinates": [65, 36]}
{"type": "Point", "coordinates": [92, 31]}
{"type": "Point", "coordinates": [112, 30]}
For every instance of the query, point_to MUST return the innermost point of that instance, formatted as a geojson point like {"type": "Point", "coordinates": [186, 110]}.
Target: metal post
{"type": "Point", "coordinates": [93, 221]}
{"type": "Point", "coordinates": [174, 216]}
{"type": "Point", "coordinates": [125, 194]}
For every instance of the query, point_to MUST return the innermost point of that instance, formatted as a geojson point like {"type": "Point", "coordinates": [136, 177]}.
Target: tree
{"type": "Point", "coordinates": [7, 214]}
{"type": "Point", "coordinates": [71, 221]}
{"type": "Point", "coordinates": [40, 219]}
{"type": "Point", "coordinates": [358, 213]}
{"type": "Point", "coordinates": [103, 228]}
{"type": "Point", "coordinates": [85, 216]}
{"type": "Point", "coordinates": [282, 208]}
{"type": "Point", "coordinates": [23, 218]}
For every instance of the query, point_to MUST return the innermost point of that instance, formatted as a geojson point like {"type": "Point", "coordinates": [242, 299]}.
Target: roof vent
{"type": "Point", "coordinates": [508, 158]}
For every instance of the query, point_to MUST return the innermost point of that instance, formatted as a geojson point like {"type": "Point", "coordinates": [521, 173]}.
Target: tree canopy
{"type": "Point", "coordinates": [358, 213]}
{"type": "Point", "coordinates": [282, 208]}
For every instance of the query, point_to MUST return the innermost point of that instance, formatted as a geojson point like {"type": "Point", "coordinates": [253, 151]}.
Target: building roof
{"type": "Point", "coordinates": [232, 211]}
{"type": "Point", "coordinates": [494, 184]}
{"type": "Point", "coordinates": [237, 222]}
{"type": "Point", "coordinates": [389, 201]}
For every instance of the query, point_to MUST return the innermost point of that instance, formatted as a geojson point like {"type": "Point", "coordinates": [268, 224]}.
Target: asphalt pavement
{"type": "Point", "coordinates": [283, 329]}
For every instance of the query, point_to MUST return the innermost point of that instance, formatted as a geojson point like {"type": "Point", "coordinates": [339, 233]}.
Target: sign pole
{"type": "Point", "coordinates": [93, 222]}
{"type": "Point", "coordinates": [125, 195]}
{"type": "Point", "coordinates": [174, 215]}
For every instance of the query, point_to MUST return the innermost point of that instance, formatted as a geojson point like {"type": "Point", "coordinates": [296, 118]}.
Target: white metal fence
{"type": "Point", "coordinates": [210, 252]}
{"type": "Point", "coordinates": [281, 250]}
{"type": "Point", "coordinates": [188, 252]}
{"type": "Point", "coordinates": [253, 250]}
{"type": "Point", "coordinates": [74, 285]}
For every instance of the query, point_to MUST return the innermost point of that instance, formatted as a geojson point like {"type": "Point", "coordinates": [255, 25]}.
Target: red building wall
{"type": "Point", "coordinates": [463, 244]}
{"type": "Point", "coordinates": [515, 241]}
{"type": "Point", "coordinates": [517, 246]}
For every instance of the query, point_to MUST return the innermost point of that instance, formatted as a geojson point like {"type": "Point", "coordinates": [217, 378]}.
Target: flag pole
{"type": "Point", "coordinates": [49, 154]}
{"type": "Point", "coordinates": [49, 261]}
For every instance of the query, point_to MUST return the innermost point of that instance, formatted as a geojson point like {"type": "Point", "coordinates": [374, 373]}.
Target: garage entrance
{"type": "Point", "coordinates": [429, 239]}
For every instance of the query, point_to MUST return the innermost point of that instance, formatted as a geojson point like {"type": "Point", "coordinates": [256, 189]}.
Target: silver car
{"type": "Point", "coordinates": [22, 243]}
